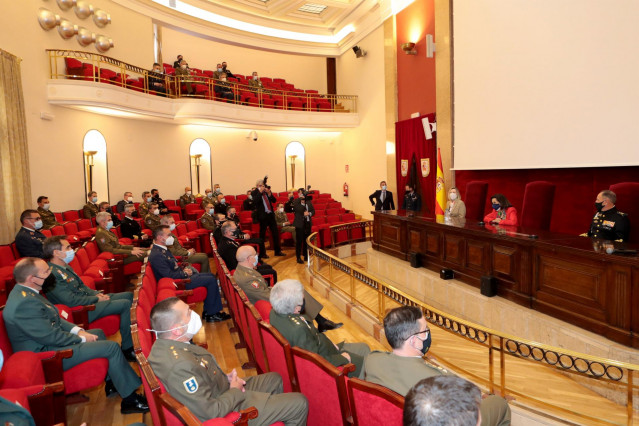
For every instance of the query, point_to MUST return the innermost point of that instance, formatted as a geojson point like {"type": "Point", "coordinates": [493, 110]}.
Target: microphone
{"type": "Point", "coordinates": [612, 250]}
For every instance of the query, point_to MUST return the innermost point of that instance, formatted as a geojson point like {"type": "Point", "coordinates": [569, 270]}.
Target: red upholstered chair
{"type": "Point", "coordinates": [373, 405]}
{"type": "Point", "coordinates": [253, 318]}
{"type": "Point", "coordinates": [74, 67]}
{"type": "Point", "coordinates": [38, 400]}
{"type": "Point", "coordinates": [628, 202]}
{"type": "Point", "coordinates": [537, 208]}
{"type": "Point", "coordinates": [278, 355]}
{"type": "Point", "coordinates": [324, 386]}
{"type": "Point", "coordinates": [79, 315]}
{"type": "Point", "coordinates": [263, 307]}
{"type": "Point", "coordinates": [71, 215]}
{"type": "Point", "coordinates": [475, 200]}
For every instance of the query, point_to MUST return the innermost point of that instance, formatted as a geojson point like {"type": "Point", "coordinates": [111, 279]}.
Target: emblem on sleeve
{"type": "Point", "coordinates": [255, 284]}
{"type": "Point", "coordinates": [190, 385]}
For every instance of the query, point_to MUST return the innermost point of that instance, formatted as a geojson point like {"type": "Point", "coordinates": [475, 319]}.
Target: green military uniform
{"type": "Point", "coordinates": [177, 250]}
{"type": "Point", "coordinates": [186, 199]}
{"type": "Point", "coordinates": [207, 200]}
{"type": "Point", "coordinates": [33, 324]}
{"type": "Point", "coordinates": [208, 222]}
{"type": "Point", "coordinates": [143, 209]}
{"type": "Point", "coordinates": [255, 287]}
{"type": "Point", "coordinates": [281, 219]}
{"type": "Point", "coordinates": [71, 291]}
{"type": "Point", "coordinates": [255, 84]}
{"type": "Point", "coordinates": [400, 374]}
{"type": "Point", "coordinates": [152, 221]}
{"type": "Point", "coordinates": [90, 210]}
{"type": "Point", "coordinates": [302, 333]}
{"type": "Point", "coordinates": [48, 218]}
{"type": "Point", "coordinates": [108, 241]}
{"type": "Point", "coordinates": [192, 375]}
{"type": "Point", "coordinates": [14, 414]}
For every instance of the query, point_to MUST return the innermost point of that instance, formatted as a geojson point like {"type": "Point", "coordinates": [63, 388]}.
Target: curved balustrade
{"type": "Point", "coordinates": [498, 345]}
{"type": "Point", "coordinates": [86, 66]}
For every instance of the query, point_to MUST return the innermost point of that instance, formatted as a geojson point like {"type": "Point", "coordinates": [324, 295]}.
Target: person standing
{"type": "Point", "coordinates": [412, 200]}
{"type": "Point", "coordinates": [382, 199]}
{"type": "Point", "coordinates": [303, 223]}
{"type": "Point", "coordinates": [265, 215]}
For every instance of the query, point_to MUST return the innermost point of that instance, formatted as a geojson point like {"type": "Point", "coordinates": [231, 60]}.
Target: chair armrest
{"type": "Point", "coordinates": [178, 409]}
{"type": "Point", "coordinates": [270, 279]}
{"type": "Point", "coordinates": [52, 364]}
{"type": "Point", "coordinates": [81, 315]}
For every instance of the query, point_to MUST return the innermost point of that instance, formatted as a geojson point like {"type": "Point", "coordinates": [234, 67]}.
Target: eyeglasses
{"type": "Point", "coordinates": [427, 331]}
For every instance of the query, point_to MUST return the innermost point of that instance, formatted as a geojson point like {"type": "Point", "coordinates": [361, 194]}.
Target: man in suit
{"type": "Point", "coordinates": [33, 324]}
{"type": "Point", "coordinates": [130, 228]}
{"type": "Point", "coordinates": [125, 201]}
{"type": "Point", "coordinates": [265, 215]}
{"type": "Point", "coordinates": [382, 199]}
{"type": "Point", "coordinates": [91, 209]}
{"type": "Point", "coordinates": [176, 63]}
{"type": "Point", "coordinates": [165, 265]}
{"type": "Point", "coordinates": [408, 334]}
{"type": "Point", "coordinates": [71, 291]}
{"type": "Point", "coordinates": [47, 216]}
{"type": "Point", "coordinates": [287, 299]}
{"type": "Point", "coordinates": [248, 277]}
{"type": "Point", "coordinates": [108, 241]}
{"type": "Point", "coordinates": [228, 249]}
{"type": "Point", "coordinates": [186, 198]}
{"type": "Point", "coordinates": [249, 203]}
{"type": "Point", "coordinates": [303, 222]}
{"type": "Point", "coordinates": [177, 250]}
{"type": "Point", "coordinates": [192, 375]}
{"type": "Point", "coordinates": [29, 239]}
{"type": "Point", "coordinates": [221, 206]}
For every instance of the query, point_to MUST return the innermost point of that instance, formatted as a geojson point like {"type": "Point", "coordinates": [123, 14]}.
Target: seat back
{"type": "Point", "coordinates": [83, 258]}
{"type": "Point", "coordinates": [628, 202]}
{"type": "Point", "coordinates": [5, 343]}
{"type": "Point", "coordinates": [475, 200]}
{"type": "Point", "coordinates": [324, 386]}
{"type": "Point", "coordinates": [278, 354]}
{"type": "Point", "coordinates": [253, 318]}
{"type": "Point", "coordinates": [537, 208]}
{"type": "Point", "coordinates": [373, 405]}
{"type": "Point", "coordinates": [71, 215]}
{"type": "Point", "coordinates": [92, 250]}
{"type": "Point", "coordinates": [6, 255]}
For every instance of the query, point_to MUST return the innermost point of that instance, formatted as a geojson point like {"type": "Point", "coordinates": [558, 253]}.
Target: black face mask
{"type": "Point", "coordinates": [426, 345]}
{"type": "Point", "coordinates": [599, 206]}
{"type": "Point", "coordinates": [291, 198]}
{"type": "Point", "coordinates": [303, 310]}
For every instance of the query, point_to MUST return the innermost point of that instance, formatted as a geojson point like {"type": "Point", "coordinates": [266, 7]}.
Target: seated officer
{"type": "Point", "coordinates": [108, 241]}
{"type": "Point", "coordinates": [33, 324]}
{"type": "Point", "coordinates": [208, 220]}
{"type": "Point", "coordinates": [408, 334]}
{"type": "Point", "coordinates": [287, 299]}
{"type": "Point", "coordinates": [143, 208]}
{"type": "Point", "coordinates": [177, 250]}
{"type": "Point", "coordinates": [70, 290]}
{"type": "Point", "coordinates": [130, 228]}
{"type": "Point", "coordinates": [29, 239]}
{"type": "Point", "coordinates": [164, 265]}
{"type": "Point", "coordinates": [152, 219]}
{"type": "Point", "coordinates": [187, 197]}
{"type": "Point", "coordinates": [228, 247]}
{"type": "Point", "coordinates": [283, 222]}
{"type": "Point", "coordinates": [192, 375]}
{"type": "Point", "coordinates": [48, 217]}
{"type": "Point", "coordinates": [91, 209]}
{"type": "Point", "coordinates": [221, 206]}
{"type": "Point", "coordinates": [155, 198]}
{"type": "Point", "coordinates": [609, 223]}
{"type": "Point", "coordinates": [104, 207]}
{"type": "Point", "coordinates": [128, 199]}
{"type": "Point", "coordinates": [208, 198]}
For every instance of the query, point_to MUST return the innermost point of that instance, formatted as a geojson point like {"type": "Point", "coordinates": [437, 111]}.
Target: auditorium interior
{"type": "Point", "coordinates": [534, 100]}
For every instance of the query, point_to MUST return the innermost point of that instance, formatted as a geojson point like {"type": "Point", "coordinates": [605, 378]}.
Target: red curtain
{"type": "Point", "coordinates": [411, 145]}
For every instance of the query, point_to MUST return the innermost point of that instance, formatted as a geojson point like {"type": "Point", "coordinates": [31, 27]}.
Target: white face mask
{"type": "Point", "coordinates": [183, 67]}
{"type": "Point", "coordinates": [172, 226]}
{"type": "Point", "coordinates": [170, 240]}
{"type": "Point", "coordinates": [129, 199]}
{"type": "Point", "coordinates": [46, 206]}
{"type": "Point", "coordinates": [255, 261]}
{"type": "Point", "coordinates": [254, 77]}
{"type": "Point", "coordinates": [281, 210]}
{"type": "Point", "coordinates": [156, 212]}
{"type": "Point", "coordinates": [208, 194]}
{"type": "Point", "coordinates": [194, 325]}
{"type": "Point", "coordinates": [223, 201]}
{"type": "Point", "coordinates": [188, 192]}
{"type": "Point", "coordinates": [250, 197]}
{"type": "Point", "coordinates": [453, 196]}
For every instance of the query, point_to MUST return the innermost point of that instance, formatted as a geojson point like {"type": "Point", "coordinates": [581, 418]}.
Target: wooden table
{"type": "Point", "coordinates": [569, 277]}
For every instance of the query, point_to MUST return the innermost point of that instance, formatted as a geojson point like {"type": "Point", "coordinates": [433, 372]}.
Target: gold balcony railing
{"type": "Point", "coordinates": [606, 375]}
{"type": "Point", "coordinates": [103, 69]}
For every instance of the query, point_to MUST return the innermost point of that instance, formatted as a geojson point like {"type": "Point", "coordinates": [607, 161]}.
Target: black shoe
{"type": "Point", "coordinates": [129, 354]}
{"type": "Point", "coordinates": [280, 253]}
{"type": "Point", "coordinates": [219, 316]}
{"type": "Point", "coordinates": [135, 403]}
{"type": "Point", "coordinates": [328, 325]}
{"type": "Point", "coordinates": [109, 389]}
{"type": "Point", "coordinates": [300, 260]}
{"type": "Point", "coordinates": [264, 256]}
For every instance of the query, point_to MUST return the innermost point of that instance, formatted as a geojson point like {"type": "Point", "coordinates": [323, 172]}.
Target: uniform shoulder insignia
{"type": "Point", "coordinates": [255, 284]}
{"type": "Point", "coordinates": [622, 213]}
{"type": "Point", "coordinates": [190, 385]}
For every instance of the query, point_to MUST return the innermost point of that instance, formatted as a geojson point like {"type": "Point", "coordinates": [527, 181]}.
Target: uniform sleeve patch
{"type": "Point", "coordinates": [255, 284]}
{"type": "Point", "coordinates": [190, 385]}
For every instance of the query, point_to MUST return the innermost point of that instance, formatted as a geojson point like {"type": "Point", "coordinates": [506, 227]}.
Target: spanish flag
{"type": "Point", "coordinates": [440, 191]}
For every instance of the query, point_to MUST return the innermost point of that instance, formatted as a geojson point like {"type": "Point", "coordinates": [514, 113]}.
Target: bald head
{"type": "Point", "coordinates": [245, 256]}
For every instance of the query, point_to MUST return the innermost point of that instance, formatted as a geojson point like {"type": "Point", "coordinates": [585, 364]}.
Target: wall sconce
{"type": "Point", "coordinates": [67, 29]}
{"type": "Point", "coordinates": [409, 48]}
{"type": "Point", "coordinates": [47, 19]}
{"type": "Point", "coordinates": [66, 4]}
{"type": "Point", "coordinates": [101, 18]}
{"type": "Point", "coordinates": [430, 46]}
{"type": "Point", "coordinates": [83, 10]}
{"type": "Point", "coordinates": [197, 161]}
{"type": "Point", "coordinates": [292, 157]}
{"type": "Point", "coordinates": [103, 43]}
{"type": "Point", "coordinates": [88, 160]}
{"type": "Point", "coordinates": [359, 53]}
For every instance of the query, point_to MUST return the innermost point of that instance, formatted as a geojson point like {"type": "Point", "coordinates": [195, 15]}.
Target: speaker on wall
{"type": "Point", "coordinates": [488, 286]}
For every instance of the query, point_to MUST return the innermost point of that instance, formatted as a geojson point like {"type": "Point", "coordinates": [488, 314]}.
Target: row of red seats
{"type": "Point", "coordinates": [332, 397]}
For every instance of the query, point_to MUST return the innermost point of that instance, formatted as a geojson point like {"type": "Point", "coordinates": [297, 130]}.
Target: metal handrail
{"type": "Point", "coordinates": [497, 342]}
{"type": "Point", "coordinates": [204, 85]}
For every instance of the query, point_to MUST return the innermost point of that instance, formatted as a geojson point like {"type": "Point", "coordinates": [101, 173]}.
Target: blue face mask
{"type": "Point", "coordinates": [211, 211]}
{"type": "Point", "coordinates": [69, 255]}
{"type": "Point", "coordinates": [148, 199]}
{"type": "Point", "coordinates": [109, 225]}
{"type": "Point", "coordinates": [37, 224]}
{"type": "Point", "coordinates": [496, 206]}
{"type": "Point", "coordinates": [255, 261]}
{"type": "Point", "coordinates": [219, 70]}
{"type": "Point", "coordinates": [94, 199]}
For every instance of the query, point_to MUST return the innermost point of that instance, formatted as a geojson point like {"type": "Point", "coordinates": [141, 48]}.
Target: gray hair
{"type": "Point", "coordinates": [287, 295]}
{"type": "Point", "coordinates": [25, 268]}
{"type": "Point", "coordinates": [609, 195]}
{"type": "Point", "coordinates": [100, 217]}
{"type": "Point", "coordinates": [129, 207]}
{"type": "Point", "coordinates": [226, 226]}
{"type": "Point", "coordinates": [259, 182]}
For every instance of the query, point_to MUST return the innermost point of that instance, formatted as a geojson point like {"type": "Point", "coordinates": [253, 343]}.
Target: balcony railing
{"type": "Point", "coordinates": [86, 66]}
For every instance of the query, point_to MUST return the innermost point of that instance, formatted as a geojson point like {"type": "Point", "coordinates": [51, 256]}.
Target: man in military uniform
{"type": "Point", "coordinates": [412, 200]}
{"type": "Point", "coordinates": [208, 220]}
{"type": "Point", "coordinates": [255, 83]}
{"type": "Point", "coordinates": [249, 203]}
{"type": "Point", "coordinates": [183, 73]}
{"type": "Point", "coordinates": [152, 219]}
{"type": "Point", "coordinates": [303, 224]}
{"type": "Point", "coordinates": [282, 221]}
{"type": "Point", "coordinates": [218, 72]}
{"type": "Point", "coordinates": [155, 197]}
{"type": "Point", "coordinates": [177, 250]}
{"type": "Point", "coordinates": [71, 291]}
{"type": "Point", "coordinates": [228, 246]}
{"type": "Point", "coordinates": [408, 334]}
{"type": "Point", "coordinates": [47, 216]}
{"type": "Point", "coordinates": [108, 241]}
{"type": "Point", "coordinates": [33, 324]}
{"type": "Point", "coordinates": [164, 265]}
{"type": "Point", "coordinates": [128, 199]}
{"type": "Point", "coordinates": [104, 207]}
{"type": "Point", "coordinates": [217, 190]}
{"type": "Point", "coordinates": [239, 234]}
{"type": "Point", "coordinates": [208, 198]}
{"type": "Point", "coordinates": [192, 375]}
{"type": "Point", "coordinates": [91, 209]}
{"type": "Point", "coordinates": [226, 70]}
{"type": "Point", "coordinates": [187, 198]}
{"type": "Point", "coordinates": [609, 223]}
{"type": "Point", "coordinates": [143, 208]}
{"type": "Point", "coordinates": [29, 239]}
{"type": "Point", "coordinates": [130, 228]}
{"type": "Point", "coordinates": [287, 299]}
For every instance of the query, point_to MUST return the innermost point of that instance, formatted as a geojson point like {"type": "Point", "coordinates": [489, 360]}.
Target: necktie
{"type": "Point", "coordinates": [383, 197]}
{"type": "Point", "coordinates": [266, 202]}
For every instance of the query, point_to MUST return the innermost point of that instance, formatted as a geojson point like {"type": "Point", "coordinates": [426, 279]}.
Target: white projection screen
{"type": "Point", "coordinates": [545, 83]}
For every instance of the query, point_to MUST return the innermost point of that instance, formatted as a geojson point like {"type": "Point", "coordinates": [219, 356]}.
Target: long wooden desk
{"type": "Point", "coordinates": [569, 277]}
